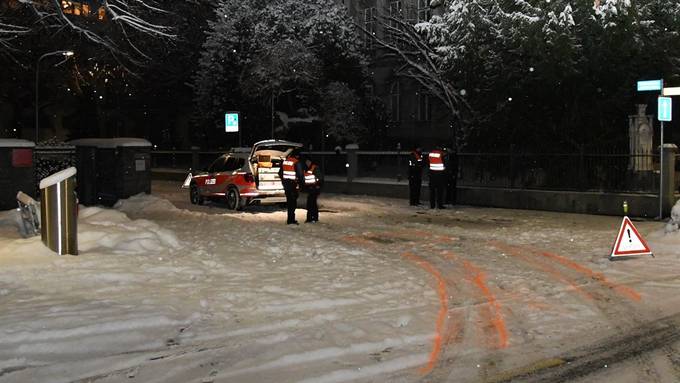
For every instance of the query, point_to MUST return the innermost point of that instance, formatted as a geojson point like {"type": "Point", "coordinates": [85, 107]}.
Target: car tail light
{"type": "Point", "coordinates": [249, 177]}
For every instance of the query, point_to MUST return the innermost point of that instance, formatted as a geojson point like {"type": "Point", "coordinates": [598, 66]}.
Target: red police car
{"type": "Point", "coordinates": [242, 177]}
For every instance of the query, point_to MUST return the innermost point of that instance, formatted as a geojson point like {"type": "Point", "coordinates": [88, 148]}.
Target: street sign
{"type": "Point", "coordinates": [231, 122]}
{"type": "Point", "coordinates": [671, 91]}
{"type": "Point", "coordinates": [629, 241]}
{"type": "Point", "coordinates": [665, 109]}
{"type": "Point", "coordinates": [649, 85]}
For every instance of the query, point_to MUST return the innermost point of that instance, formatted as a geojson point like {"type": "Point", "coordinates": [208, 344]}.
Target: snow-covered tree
{"type": "Point", "coordinates": [561, 72]}
{"type": "Point", "coordinates": [285, 48]}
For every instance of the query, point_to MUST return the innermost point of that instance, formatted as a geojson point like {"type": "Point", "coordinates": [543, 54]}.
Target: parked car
{"type": "Point", "coordinates": [243, 177]}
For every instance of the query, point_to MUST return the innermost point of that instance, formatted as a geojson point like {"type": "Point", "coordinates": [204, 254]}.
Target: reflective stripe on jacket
{"type": "Point", "coordinates": [436, 158]}
{"type": "Point", "coordinates": [289, 168]}
{"type": "Point", "coordinates": [310, 177]}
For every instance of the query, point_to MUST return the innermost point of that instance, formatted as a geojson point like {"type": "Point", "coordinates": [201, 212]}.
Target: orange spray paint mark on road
{"type": "Point", "coordinates": [479, 279]}
{"type": "Point", "coordinates": [443, 309]}
{"type": "Point", "coordinates": [548, 269]}
{"type": "Point", "coordinates": [599, 277]}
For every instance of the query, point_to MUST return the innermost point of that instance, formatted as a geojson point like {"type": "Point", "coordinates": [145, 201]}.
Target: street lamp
{"type": "Point", "coordinates": [66, 54]}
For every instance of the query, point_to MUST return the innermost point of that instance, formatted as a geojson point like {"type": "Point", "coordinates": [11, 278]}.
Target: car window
{"type": "Point", "coordinates": [230, 165]}
{"type": "Point", "coordinates": [216, 165]}
{"type": "Point", "coordinates": [240, 162]}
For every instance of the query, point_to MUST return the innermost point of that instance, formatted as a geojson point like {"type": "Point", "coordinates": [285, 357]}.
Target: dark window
{"type": "Point", "coordinates": [394, 101]}
{"type": "Point", "coordinates": [424, 106]}
{"type": "Point", "coordinates": [216, 165]}
{"type": "Point", "coordinates": [424, 11]}
{"type": "Point", "coordinates": [369, 25]}
{"type": "Point", "coordinates": [232, 164]}
{"type": "Point", "coordinates": [396, 12]}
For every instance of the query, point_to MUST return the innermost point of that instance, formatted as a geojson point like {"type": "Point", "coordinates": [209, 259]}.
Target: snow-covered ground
{"type": "Point", "coordinates": [164, 291]}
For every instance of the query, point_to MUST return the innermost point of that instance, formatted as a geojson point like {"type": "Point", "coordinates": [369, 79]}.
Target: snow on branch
{"type": "Point", "coordinates": [9, 33]}
{"type": "Point", "coordinates": [119, 26]}
{"type": "Point", "coordinates": [420, 61]}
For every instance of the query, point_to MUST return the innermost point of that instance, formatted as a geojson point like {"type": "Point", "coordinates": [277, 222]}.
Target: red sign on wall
{"type": "Point", "coordinates": [22, 158]}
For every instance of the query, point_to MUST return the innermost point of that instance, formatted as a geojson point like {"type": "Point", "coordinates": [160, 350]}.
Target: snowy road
{"type": "Point", "coordinates": [376, 292]}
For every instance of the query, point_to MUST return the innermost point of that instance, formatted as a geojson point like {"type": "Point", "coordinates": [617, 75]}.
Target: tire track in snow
{"type": "Point", "coordinates": [615, 301]}
{"type": "Point", "coordinates": [443, 309]}
{"type": "Point", "coordinates": [550, 258]}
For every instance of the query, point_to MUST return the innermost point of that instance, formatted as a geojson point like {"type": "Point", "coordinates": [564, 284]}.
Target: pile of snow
{"type": "Point", "coordinates": [101, 230]}
{"type": "Point", "coordinates": [667, 240]}
{"type": "Point", "coordinates": [144, 203]}
{"type": "Point", "coordinates": [106, 229]}
{"type": "Point", "coordinates": [674, 223]}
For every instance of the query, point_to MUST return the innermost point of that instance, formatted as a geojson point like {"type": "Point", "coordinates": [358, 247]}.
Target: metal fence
{"type": "Point", "coordinates": [612, 172]}
{"type": "Point", "coordinates": [581, 171]}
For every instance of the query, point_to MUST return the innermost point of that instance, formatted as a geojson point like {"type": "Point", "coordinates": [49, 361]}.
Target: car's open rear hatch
{"type": "Point", "coordinates": [266, 158]}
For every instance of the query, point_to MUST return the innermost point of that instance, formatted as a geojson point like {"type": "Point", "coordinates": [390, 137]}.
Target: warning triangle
{"type": "Point", "coordinates": [629, 241]}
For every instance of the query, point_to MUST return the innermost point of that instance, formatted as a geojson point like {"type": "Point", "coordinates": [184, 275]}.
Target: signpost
{"type": "Point", "coordinates": [231, 124]}
{"type": "Point", "coordinates": [664, 113]}
{"type": "Point", "coordinates": [650, 85]}
{"type": "Point", "coordinates": [671, 91]}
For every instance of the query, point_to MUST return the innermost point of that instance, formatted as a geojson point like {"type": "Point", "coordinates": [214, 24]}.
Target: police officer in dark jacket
{"type": "Point", "coordinates": [292, 178]}
{"type": "Point", "coordinates": [313, 184]}
{"type": "Point", "coordinates": [415, 176]}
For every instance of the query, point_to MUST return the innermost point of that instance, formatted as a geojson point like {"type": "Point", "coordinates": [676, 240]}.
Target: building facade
{"type": "Point", "coordinates": [414, 116]}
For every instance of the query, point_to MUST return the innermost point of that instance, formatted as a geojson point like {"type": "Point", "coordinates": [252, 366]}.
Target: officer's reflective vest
{"type": "Point", "coordinates": [418, 159]}
{"type": "Point", "coordinates": [289, 168]}
{"type": "Point", "coordinates": [436, 160]}
{"type": "Point", "coordinates": [310, 178]}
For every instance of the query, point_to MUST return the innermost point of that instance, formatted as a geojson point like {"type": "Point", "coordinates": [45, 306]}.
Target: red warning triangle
{"type": "Point", "coordinates": [629, 241]}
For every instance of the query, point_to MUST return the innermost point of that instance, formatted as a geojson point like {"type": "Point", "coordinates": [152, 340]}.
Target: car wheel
{"type": "Point", "coordinates": [234, 199]}
{"type": "Point", "coordinates": [195, 196]}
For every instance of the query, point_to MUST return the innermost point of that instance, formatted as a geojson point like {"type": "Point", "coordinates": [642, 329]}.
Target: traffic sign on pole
{"type": "Point", "coordinates": [665, 112]}
{"type": "Point", "coordinates": [671, 91]}
{"type": "Point", "coordinates": [649, 85]}
{"type": "Point", "coordinates": [231, 122]}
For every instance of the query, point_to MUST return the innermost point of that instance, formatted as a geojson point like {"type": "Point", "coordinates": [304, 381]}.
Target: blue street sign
{"type": "Point", "coordinates": [231, 122]}
{"type": "Point", "coordinates": [650, 85]}
{"type": "Point", "coordinates": [665, 109]}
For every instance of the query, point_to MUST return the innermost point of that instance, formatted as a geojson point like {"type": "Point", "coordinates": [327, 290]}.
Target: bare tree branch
{"type": "Point", "coordinates": [130, 18]}
{"type": "Point", "coordinates": [420, 62]}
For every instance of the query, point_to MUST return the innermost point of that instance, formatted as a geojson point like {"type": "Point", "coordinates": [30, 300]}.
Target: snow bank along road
{"type": "Point", "coordinates": [164, 291]}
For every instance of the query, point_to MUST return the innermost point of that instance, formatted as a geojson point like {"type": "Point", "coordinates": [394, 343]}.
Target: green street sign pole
{"type": "Point", "coordinates": [664, 113]}
{"type": "Point", "coordinates": [661, 176]}
{"type": "Point", "coordinates": [652, 86]}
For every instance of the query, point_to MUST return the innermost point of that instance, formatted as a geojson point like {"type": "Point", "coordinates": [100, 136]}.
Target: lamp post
{"type": "Point", "coordinates": [66, 54]}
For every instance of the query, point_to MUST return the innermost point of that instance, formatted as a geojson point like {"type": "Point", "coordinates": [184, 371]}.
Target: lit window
{"type": "Point", "coordinates": [67, 7]}
{"type": "Point", "coordinates": [76, 9]}
{"type": "Point", "coordinates": [86, 9]}
{"type": "Point", "coordinates": [101, 13]}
